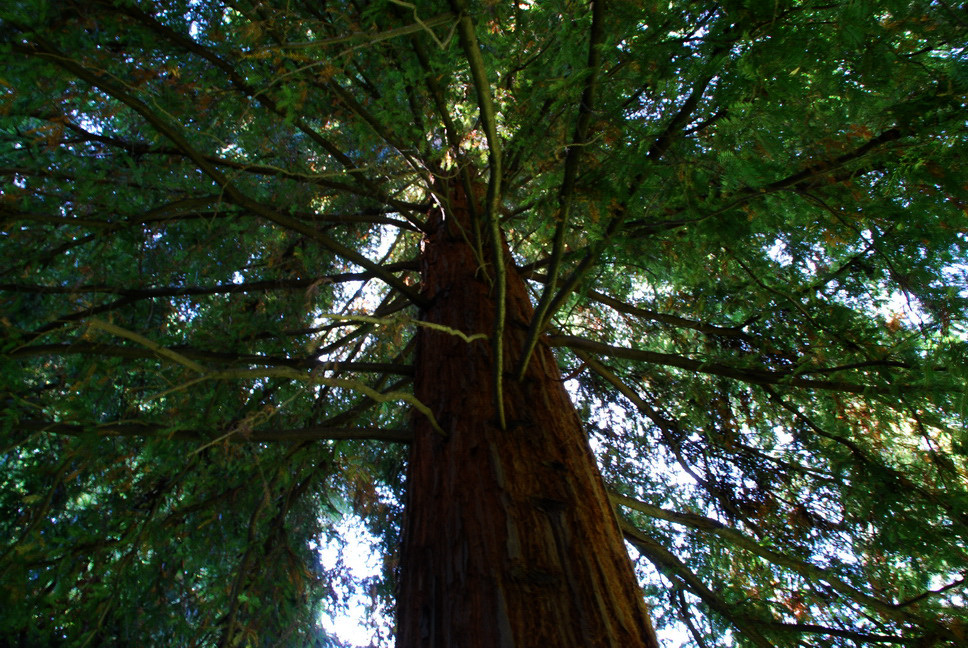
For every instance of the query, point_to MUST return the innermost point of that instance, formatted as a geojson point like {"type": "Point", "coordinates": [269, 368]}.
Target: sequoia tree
{"type": "Point", "coordinates": [509, 282]}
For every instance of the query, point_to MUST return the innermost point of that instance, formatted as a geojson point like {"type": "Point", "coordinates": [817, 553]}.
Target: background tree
{"type": "Point", "coordinates": [742, 228]}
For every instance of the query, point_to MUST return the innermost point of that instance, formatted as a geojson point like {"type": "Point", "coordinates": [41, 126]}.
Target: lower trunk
{"type": "Point", "coordinates": [510, 539]}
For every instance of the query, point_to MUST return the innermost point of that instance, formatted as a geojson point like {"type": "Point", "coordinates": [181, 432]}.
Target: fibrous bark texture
{"type": "Point", "coordinates": [510, 539]}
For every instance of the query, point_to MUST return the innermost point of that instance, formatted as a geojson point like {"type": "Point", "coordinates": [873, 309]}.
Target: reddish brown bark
{"type": "Point", "coordinates": [510, 539]}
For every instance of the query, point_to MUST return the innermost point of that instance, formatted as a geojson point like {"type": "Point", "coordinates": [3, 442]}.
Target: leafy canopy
{"type": "Point", "coordinates": [743, 222]}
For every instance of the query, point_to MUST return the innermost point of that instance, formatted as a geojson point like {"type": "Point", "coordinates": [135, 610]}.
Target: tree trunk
{"type": "Point", "coordinates": [509, 539]}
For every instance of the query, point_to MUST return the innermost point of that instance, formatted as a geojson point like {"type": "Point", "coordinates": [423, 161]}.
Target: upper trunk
{"type": "Point", "coordinates": [510, 539]}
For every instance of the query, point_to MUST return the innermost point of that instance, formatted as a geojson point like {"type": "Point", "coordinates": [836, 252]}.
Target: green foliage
{"type": "Point", "coordinates": [762, 300]}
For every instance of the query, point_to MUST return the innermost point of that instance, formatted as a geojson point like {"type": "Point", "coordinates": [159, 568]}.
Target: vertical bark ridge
{"type": "Point", "coordinates": [510, 539]}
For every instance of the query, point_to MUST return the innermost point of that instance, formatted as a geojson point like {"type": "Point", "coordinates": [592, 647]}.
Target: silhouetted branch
{"type": "Point", "coordinates": [238, 435]}
{"type": "Point", "coordinates": [754, 376]}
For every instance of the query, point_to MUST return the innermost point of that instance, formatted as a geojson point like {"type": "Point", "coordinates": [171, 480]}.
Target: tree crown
{"type": "Point", "coordinates": [743, 223]}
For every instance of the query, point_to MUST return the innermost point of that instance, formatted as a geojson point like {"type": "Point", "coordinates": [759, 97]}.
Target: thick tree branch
{"type": "Point", "coordinates": [619, 213]}
{"type": "Point", "coordinates": [664, 318]}
{"type": "Point", "coordinates": [806, 178]}
{"type": "Point", "coordinates": [805, 569]}
{"type": "Point", "coordinates": [586, 109]}
{"type": "Point", "coordinates": [669, 563]}
{"type": "Point", "coordinates": [860, 637]}
{"type": "Point", "coordinates": [754, 376]}
{"type": "Point", "coordinates": [266, 285]}
{"type": "Point", "coordinates": [366, 37]}
{"type": "Point", "coordinates": [670, 432]}
{"type": "Point", "coordinates": [236, 435]}
{"type": "Point", "coordinates": [247, 360]}
{"type": "Point", "coordinates": [315, 179]}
